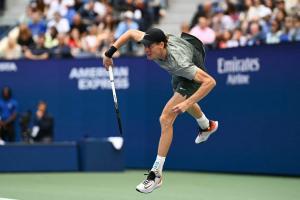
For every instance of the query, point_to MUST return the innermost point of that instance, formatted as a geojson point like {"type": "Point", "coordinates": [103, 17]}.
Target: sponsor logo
{"type": "Point", "coordinates": [93, 78]}
{"type": "Point", "coordinates": [238, 70]}
{"type": "Point", "coordinates": [149, 185]}
{"type": "Point", "coordinates": [8, 67]}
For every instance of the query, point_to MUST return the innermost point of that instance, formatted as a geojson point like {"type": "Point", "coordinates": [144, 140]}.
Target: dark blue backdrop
{"type": "Point", "coordinates": [255, 100]}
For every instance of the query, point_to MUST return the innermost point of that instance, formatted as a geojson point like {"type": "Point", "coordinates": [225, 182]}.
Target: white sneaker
{"type": "Point", "coordinates": [204, 134]}
{"type": "Point", "coordinates": [153, 181]}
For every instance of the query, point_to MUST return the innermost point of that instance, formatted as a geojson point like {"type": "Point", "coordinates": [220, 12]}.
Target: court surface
{"type": "Point", "coordinates": [121, 186]}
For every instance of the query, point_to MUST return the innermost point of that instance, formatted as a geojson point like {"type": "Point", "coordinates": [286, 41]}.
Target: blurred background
{"type": "Point", "coordinates": [57, 112]}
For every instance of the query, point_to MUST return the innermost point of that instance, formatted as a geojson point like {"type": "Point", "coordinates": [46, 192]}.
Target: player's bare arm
{"type": "Point", "coordinates": [134, 35]}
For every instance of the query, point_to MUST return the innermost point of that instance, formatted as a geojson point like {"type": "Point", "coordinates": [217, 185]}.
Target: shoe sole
{"type": "Point", "coordinates": [217, 126]}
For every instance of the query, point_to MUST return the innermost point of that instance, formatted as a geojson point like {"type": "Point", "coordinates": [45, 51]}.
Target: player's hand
{"type": "Point", "coordinates": [107, 62]}
{"type": "Point", "coordinates": [180, 108]}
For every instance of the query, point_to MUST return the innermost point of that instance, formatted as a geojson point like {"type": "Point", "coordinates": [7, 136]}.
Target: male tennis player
{"type": "Point", "coordinates": [183, 58]}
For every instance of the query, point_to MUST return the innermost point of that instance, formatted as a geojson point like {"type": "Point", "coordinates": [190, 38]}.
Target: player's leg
{"type": "Point", "coordinates": [206, 126]}
{"type": "Point", "coordinates": [167, 118]}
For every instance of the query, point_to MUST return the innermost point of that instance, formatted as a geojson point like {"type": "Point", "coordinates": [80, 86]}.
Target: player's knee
{"type": "Point", "coordinates": [166, 120]}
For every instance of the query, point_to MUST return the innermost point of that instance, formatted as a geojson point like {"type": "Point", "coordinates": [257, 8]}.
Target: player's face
{"type": "Point", "coordinates": [154, 51]}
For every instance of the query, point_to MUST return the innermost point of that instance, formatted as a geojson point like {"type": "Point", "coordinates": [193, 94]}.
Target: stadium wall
{"type": "Point", "coordinates": [256, 102]}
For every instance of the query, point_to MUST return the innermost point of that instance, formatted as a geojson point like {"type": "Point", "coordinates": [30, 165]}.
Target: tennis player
{"type": "Point", "coordinates": [183, 57]}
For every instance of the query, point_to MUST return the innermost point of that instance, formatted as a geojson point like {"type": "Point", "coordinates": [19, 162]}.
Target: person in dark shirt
{"type": "Point", "coordinates": [43, 124]}
{"type": "Point", "coordinates": [78, 23]}
{"type": "Point", "coordinates": [87, 12]}
{"type": "Point", "coordinates": [38, 51]}
{"type": "Point", "coordinates": [62, 50]}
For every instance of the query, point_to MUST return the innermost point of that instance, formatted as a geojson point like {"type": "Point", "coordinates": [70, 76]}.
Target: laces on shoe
{"type": "Point", "coordinates": [150, 176]}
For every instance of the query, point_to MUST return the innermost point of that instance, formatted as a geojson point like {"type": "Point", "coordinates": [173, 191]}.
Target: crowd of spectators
{"type": "Point", "coordinates": [235, 23]}
{"type": "Point", "coordinates": [85, 28]}
{"type": "Point", "coordinates": [78, 28]}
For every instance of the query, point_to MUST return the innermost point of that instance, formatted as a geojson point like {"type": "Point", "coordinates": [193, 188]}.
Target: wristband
{"type": "Point", "coordinates": [110, 52]}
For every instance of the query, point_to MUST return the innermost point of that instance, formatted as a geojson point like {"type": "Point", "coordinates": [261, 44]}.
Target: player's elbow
{"type": "Point", "coordinates": [213, 82]}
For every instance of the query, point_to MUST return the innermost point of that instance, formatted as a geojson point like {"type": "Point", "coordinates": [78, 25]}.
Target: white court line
{"type": "Point", "coordinates": [6, 199]}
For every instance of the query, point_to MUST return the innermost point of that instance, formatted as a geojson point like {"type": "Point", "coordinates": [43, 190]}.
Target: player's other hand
{"type": "Point", "coordinates": [180, 108]}
{"type": "Point", "coordinates": [107, 62]}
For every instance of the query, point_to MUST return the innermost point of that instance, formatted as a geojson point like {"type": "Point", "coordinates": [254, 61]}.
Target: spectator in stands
{"type": "Point", "coordinates": [37, 25]}
{"type": "Point", "coordinates": [71, 12]}
{"type": "Point", "coordinates": [38, 51]}
{"type": "Point", "coordinates": [60, 6]}
{"type": "Point", "coordinates": [126, 24]}
{"type": "Point", "coordinates": [265, 21]}
{"type": "Point", "coordinates": [203, 32]}
{"type": "Point", "coordinates": [106, 31]}
{"type": "Point", "coordinates": [43, 124]}
{"type": "Point", "coordinates": [12, 50]}
{"type": "Point", "coordinates": [255, 10]}
{"type": "Point", "coordinates": [238, 39]}
{"type": "Point", "coordinates": [222, 22]}
{"type": "Point", "coordinates": [279, 17]}
{"type": "Point", "coordinates": [24, 38]}
{"type": "Point", "coordinates": [255, 36]}
{"type": "Point", "coordinates": [40, 6]}
{"type": "Point", "coordinates": [143, 16]}
{"type": "Point", "coordinates": [279, 11]}
{"type": "Point", "coordinates": [50, 37]}
{"type": "Point", "coordinates": [289, 30]}
{"type": "Point", "coordinates": [78, 4]}
{"type": "Point", "coordinates": [273, 37]}
{"type": "Point", "coordinates": [88, 13]}
{"type": "Point", "coordinates": [62, 50]}
{"type": "Point", "coordinates": [224, 40]}
{"type": "Point", "coordinates": [232, 11]}
{"type": "Point", "coordinates": [78, 24]}
{"type": "Point", "coordinates": [90, 42]}
{"type": "Point", "coordinates": [156, 8]}
{"type": "Point", "coordinates": [270, 4]}
{"type": "Point", "coordinates": [75, 42]}
{"type": "Point", "coordinates": [8, 115]}
{"type": "Point", "coordinates": [205, 10]}
{"type": "Point", "coordinates": [185, 28]}
{"type": "Point", "coordinates": [61, 24]}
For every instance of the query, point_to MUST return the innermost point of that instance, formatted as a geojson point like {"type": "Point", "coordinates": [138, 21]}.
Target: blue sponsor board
{"type": "Point", "coordinates": [255, 101]}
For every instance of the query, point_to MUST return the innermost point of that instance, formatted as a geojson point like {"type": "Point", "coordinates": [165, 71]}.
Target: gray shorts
{"type": "Point", "coordinates": [184, 86]}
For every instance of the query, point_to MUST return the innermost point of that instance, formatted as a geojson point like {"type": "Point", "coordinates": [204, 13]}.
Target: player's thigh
{"type": "Point", "coordinates": [175, 99]}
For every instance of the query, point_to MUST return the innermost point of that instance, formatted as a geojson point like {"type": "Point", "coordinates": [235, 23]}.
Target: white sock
{"type": "Point", "coordinates": [158, 164]}
{"type": "Point", "coordinates": [203, 122]}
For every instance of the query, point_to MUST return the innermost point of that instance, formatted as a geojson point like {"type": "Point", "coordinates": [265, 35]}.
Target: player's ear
{"type": "Point", "coordinates": [162, 44]}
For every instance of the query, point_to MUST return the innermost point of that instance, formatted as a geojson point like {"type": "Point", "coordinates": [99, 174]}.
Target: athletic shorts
{"type": "Point", "coordinates": [184, 86]}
